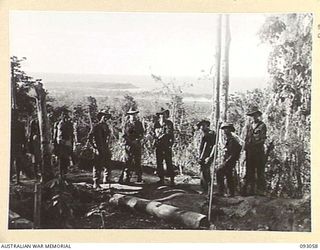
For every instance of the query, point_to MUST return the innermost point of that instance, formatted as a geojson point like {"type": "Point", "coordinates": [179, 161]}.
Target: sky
{"type": "Point", "coordinates": [168, 44]}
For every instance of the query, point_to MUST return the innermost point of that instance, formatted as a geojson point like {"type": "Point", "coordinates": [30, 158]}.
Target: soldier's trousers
{"type": "Point", "coordinates": [164, 153]}
{"type": "Point", "coordinates": [255, 166]}
{"type": "Point", "coordinates": [133, 162]}
{"type": "Point", "coordinates": [102, 161]}
{"type": "Point", "coordinates": [64, 153]}
{"type": "Point", "coordinates": [226, 172]}
{"type": "Point", "coordinates": [16, 159]}
{"type": "Point", "coordinates": [205, 175]}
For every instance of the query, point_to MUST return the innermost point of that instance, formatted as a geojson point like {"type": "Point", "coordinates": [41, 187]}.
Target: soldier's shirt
{"type": "Point", "coordinates": [257, 133]}
{"type": "Point", "coordinates": [164, 133]}
{"type": "Point", "coordinates": [208, 141]}
{"type": "Point", "coordinates": [99, 135]}
{"type": "Point", "coordinates": [65, 132]}
{"type": "Point", "coordinates": [133, 131]}
{"type": "Point", "coordinates": [232, 149]}
{"type": "Point", "coordinates": [34, 128]}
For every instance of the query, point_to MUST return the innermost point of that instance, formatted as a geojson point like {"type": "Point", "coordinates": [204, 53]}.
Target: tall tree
{"type": "Point", "coordinates": [45, 134]}
{"type": "Point", "coordinates": [290, 38]}
{"type": "Point", "coordinates": [216, 72]}
{"type": "Point", "coordinates": [21, 83]}
{"type": "Point", "coordinates": [226, 39]}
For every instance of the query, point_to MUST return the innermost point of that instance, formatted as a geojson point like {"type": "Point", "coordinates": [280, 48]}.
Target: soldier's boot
{"type": "Point", "coordinates": [172, 181]}
{"type": "Point", "coordinates": [128, 174]}
{"type": "Point", "coordinates": [106, 177]}
{"type": "Point", "coordinates": [139, 178]}
{"type": "Point", "coordinates": [18, 177]}
{"type": "Point", "coordinates": [161, 181]}
{"type": "Point", "coordinates": [121, 178]}
{"type": "Point", "coordinates": [96, 183]}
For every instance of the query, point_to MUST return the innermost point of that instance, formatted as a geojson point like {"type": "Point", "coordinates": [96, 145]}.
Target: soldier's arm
{"type": "Point", "coordinates": [141, 131]}
{"type": "Point", "coordinates": [214, 146]}
{"type": "Point", "coordinates": [125, 136]}
{"type": "Point", "coordinates": [75, 132]}
{"type": "Point", "coordinates": [59, 135]}
{"type": "Point", "coordinates": [170, 132]}
{"type": "Point", "coordinates": [55, 132]}
{"type": "Point", "coordinates": [90, 137]}
{"type": "Point", "coordinates": [262, 135]}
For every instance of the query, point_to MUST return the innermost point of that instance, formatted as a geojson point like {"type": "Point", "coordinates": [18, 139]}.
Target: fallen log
{"type": "Point", "coordinates": [163, 211]}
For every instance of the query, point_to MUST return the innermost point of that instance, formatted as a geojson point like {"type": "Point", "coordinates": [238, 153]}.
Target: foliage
{"type": "Point", "coordinates": [289, 111]}
{"type": "Point", "coordinates": [22, 83]}
{"type": "Point", "coordinates": [286, 107]}
{"type": "Point", "coordinates": [59, 195]}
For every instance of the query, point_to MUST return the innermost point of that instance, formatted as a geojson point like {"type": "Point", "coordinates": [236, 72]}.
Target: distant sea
{"type": "Point", "coordinates": [139, 83]}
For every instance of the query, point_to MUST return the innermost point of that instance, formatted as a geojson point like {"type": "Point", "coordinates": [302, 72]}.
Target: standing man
{"type": "Point", "coordinates": [255, 157]}
{"type": "Point", "coordinates": [206, 153]}
{"type": "Point", "coordinates": [99, 139]}
{"type": "Point", "coordinates": [18, 145]}
{"type": "Point", "coordinates": [132, 134]}
{"type": "Point", "coordinates": [35, 146]}
{"type": "Point", "coordinates": [232, 151]}
{"type": "Point", "coordinates": [63, 137]}
{"type": "Point", "coordinates": [164, 138]}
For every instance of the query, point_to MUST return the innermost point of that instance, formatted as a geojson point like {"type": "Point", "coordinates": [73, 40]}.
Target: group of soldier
{"type": "Point", "coordinates": [253, 145]}
{"type": "Point", "coordinates": [133, 132]}
{"type": "Point", "coordinates": [64, 137]}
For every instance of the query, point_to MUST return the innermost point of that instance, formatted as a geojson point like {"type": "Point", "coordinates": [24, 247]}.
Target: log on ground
{"type": "Point", "coordinates": [163, 211]}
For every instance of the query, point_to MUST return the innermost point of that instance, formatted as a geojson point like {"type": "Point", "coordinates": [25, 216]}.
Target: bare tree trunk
{"type": "Point", "coordinates": [225, 67]}
{"type": "Point", "coordinates": [37, 206]}
{"type": "Point", "coordinates": [46, 168]}
{"type": "Point", "coordinates": [287, 120]}
{"type": "Point", "coordinates": [13, 89]}
{"type": "Point", "coordinates": [216, 76]}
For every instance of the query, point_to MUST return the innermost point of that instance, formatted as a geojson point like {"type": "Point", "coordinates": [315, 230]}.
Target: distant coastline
{"type": "Point", "coordinates": [140, 83]}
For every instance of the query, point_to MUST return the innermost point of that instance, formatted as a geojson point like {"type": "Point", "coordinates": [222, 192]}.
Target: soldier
{"type": "Point", "coordinates": [132, 134]}
{"type": "Point", "coordinates": [232, 151]}
{"type": "Point", "coordinates": [35, 147]}
{"type": "Point", "coordinates": [18, 144]}
{"type": "Point", "coordinates": [164, 138]}
{"type": "Point", "coordinates": [63, 138]}
{"type": "Point", "coordinates": [206, 153]}
{"type": "Point", "coordinates": [255, 158]}
{"type": "Point", "coordinates": [99, 138]}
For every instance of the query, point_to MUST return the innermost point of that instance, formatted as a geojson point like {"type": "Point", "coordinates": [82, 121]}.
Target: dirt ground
{"type": "Point", "coordinates": [91, 208]}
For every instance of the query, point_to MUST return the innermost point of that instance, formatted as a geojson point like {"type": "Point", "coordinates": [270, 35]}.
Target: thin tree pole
{"type": "Point", "coordinates": [13, 88]}
{"type": "Point", "coordinates": [216, 76]}
{"type": "Point", "coordinates": [218, 125]}
{"type": "Point", "coordinates": [216, 102]}
{"type": "Point", "coordinates": [225, 67]}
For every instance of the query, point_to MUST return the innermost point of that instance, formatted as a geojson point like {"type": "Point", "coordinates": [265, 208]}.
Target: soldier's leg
{"type": "Point", "coordinates": [168, 159]}
{"type": "Point", "coordinates": [230, 180]}
{"type": "Point", "coordinates": [137, 163]}
{"type": "Point", "coordinates": [205, 177]}
{"type": "Point", "coordinates": [159, 158]}
{"type": "Point", "coordinates": [129, 166]}
{"type": "Point", "coordinates": [106, 166]}
{"type": "Point", "coordinates": [64, 163]}
{"type": "Point", "coordinates": [96, 170]}
{"type": "Point", "coordinates": [250, 173]}
{"type": "Point", "coordinates": [19, 162]}
{"type": "Point", "coordinates": [260, 165]}
{"type": "Point", "coordinates": [220, 179]}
